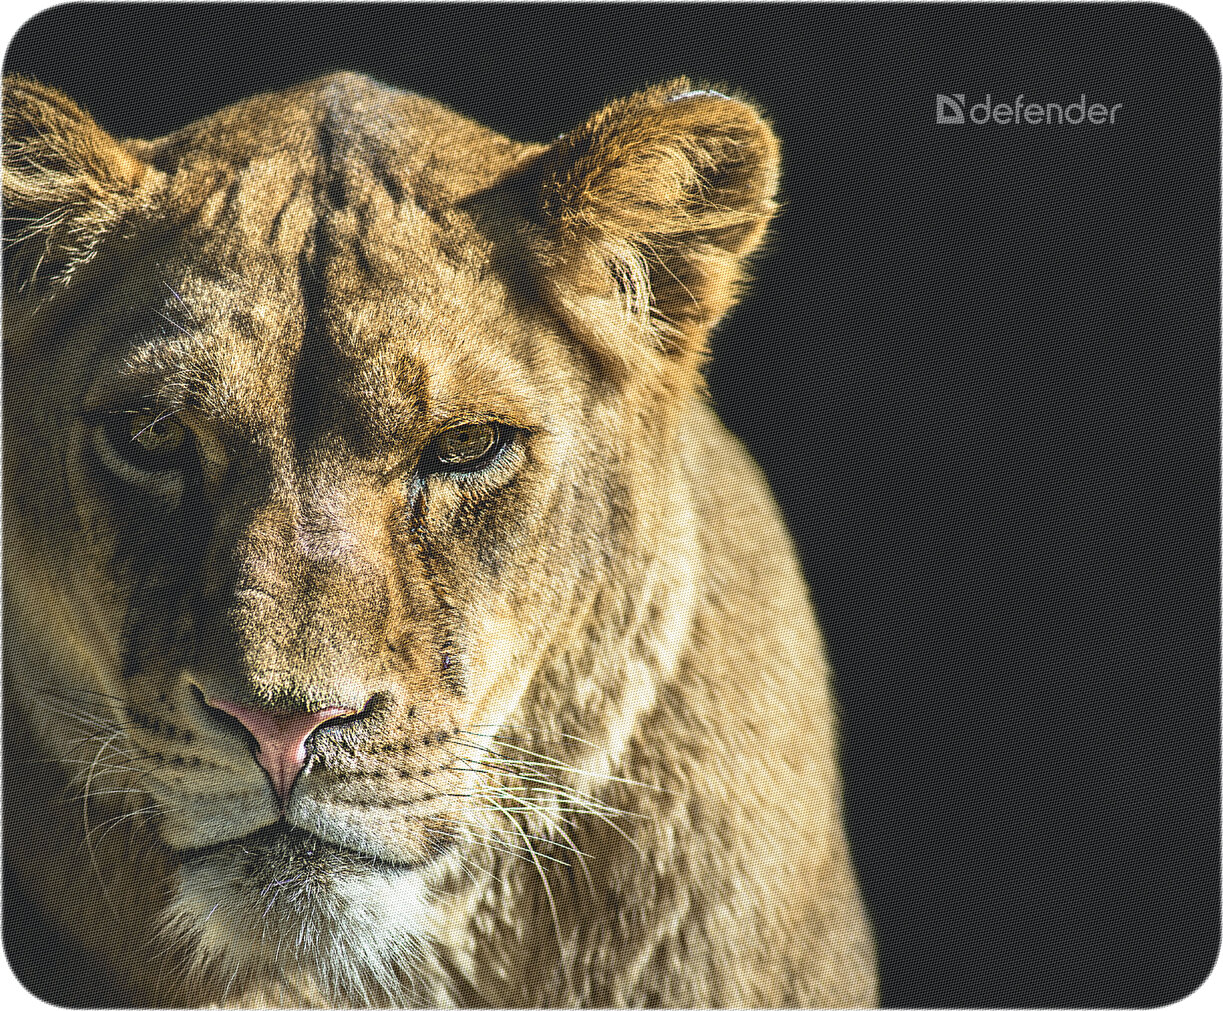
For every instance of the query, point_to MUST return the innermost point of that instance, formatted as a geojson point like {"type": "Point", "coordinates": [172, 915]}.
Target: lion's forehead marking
{"type": "Point", "coordinates": [391, 366]}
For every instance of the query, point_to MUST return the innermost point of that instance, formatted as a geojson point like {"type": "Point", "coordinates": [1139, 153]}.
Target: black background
{"type": "Point", "coordinates": [980, 365]}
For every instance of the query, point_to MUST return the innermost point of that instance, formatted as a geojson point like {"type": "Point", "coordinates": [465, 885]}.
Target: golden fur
{"type": "Point", "coordinates": [594, 761]}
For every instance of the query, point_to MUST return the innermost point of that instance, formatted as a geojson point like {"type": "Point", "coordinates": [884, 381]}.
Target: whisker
{"type": "Point", "coordinates": [537, 732]}
{"type": "Point", "coordinates": [558, 825]}
{"type": "Point", "coordinates": [177, 326]}
{"type": "Point", "coordinates": [552, 763]}
{"type": "Point", "coordinates": [556, 924]}
{"type": "Point", "coordinates": [179, 299]}
{"type": "Point", "coordinates": [93, 856]}
{"type": "Point", "coordinates": [505, 845]}
{"type": "Point", "coordinates": [117, 820]}
{"type": "Point", "coordinates": [582, 799]}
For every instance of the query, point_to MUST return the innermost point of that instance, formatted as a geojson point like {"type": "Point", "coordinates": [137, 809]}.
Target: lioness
{"type": "Point", "coordinates": [389, 619]}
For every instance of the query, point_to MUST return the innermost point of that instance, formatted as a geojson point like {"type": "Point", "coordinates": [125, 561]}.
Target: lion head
{"type": "Point", "coordinates": [348, 523]}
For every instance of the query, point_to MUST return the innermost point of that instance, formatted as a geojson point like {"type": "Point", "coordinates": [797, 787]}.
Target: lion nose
{"type": "Point", "coordinates": [281, 737]}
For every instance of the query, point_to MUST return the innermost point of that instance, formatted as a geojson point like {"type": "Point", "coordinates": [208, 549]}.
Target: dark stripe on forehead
{"type": "Point", "coordinates": [350, 136]}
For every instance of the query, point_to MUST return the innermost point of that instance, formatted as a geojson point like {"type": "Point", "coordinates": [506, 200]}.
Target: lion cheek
{"type": "Point", "coordinates": [505, 653]}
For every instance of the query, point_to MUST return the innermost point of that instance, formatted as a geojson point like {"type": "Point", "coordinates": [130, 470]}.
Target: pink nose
{"type": "Point", "coordinates": [281, 737]}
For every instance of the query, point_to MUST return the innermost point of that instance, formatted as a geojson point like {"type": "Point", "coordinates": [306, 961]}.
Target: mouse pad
{"type": "Point", "coordinates": [975, 356]}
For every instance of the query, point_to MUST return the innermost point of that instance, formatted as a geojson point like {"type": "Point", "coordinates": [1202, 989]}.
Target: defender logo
{"type": "Point", "coordinates": [949, 110]}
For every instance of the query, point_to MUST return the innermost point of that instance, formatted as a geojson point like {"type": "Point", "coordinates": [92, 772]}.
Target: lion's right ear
{"type": "Point", "coordinates": [67, 184]}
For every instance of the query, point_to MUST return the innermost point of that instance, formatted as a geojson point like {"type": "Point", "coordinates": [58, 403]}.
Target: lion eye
{"type": "Point", "coordinates": [145, 448]}
{"type": "Point", "coordinates": [465, 447]}
{"type": "Point", "coordinates": [156, 435]}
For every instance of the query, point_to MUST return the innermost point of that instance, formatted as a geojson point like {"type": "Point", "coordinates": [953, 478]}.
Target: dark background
{"type": "Point", "coordinates": [981, 368]}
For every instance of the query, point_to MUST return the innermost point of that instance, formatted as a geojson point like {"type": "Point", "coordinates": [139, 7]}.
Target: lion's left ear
{"type": "Point", "coordinates": [67, 184]}
{"type": "Point", "coordinates": [646, 215]}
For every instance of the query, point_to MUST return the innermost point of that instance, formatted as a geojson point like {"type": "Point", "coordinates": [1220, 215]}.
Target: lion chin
{"type": "Point", "coordinates": [303, 919]}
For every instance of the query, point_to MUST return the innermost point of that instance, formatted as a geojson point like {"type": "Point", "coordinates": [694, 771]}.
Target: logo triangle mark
{"type": "Point", "coordinates": [949, 110]}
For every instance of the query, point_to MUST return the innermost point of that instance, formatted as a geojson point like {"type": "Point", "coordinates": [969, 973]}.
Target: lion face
{"type": "Point", "coordinates": [337, 433]}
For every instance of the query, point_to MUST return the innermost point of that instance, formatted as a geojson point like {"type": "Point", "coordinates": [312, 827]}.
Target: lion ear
{"type": "Point", "coordinates": [647, 213]}
{"type": "Point", "coordinates": [67, 184]}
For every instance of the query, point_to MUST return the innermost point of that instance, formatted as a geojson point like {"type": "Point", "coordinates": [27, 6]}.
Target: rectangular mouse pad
{"type": "Point", "coordinates": [566, 505]}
